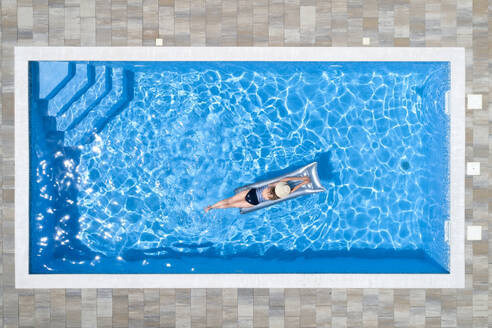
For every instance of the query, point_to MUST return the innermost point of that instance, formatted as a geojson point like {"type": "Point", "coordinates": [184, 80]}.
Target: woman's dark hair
{"type": "Point", "coordinates": [272, 194]}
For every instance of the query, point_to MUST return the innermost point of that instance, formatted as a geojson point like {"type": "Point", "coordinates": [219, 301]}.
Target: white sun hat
{"type": "Point", "coordinates": [282, 189]}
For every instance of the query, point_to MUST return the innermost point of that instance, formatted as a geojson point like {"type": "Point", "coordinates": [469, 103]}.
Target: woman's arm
{"type": "Point", "coordinates": [299, 186]}
{"type": "Point", "coordinates": [305, 179]}
{"type": "Point", "coordinates": [285, 180]}
{"type": "Point", "coordinates": [294, 179]}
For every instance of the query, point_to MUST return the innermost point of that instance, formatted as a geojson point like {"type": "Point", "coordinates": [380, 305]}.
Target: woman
{"type": "Point", "coordinates": [254, 196]}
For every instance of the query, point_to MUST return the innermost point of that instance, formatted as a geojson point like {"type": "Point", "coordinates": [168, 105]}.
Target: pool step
{"type": "Point", "coordinates": [83, 130]}
{"type": "Point", "coordinates": [82, 80]}
{"type": "Point", "coordinates": [52, 135]}
{"type": "Point", "coordinates": [79, 109]}
{"type": "Point", "coordinates": [53, 76]}
{"type": "Point", "coordinates": [100, 124]}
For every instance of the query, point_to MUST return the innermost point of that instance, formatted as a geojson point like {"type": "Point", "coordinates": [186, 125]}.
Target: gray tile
{"type": "Point", "coordinates": [167, 307]}
{"type": "Point", "coordinates": [261, 301]}
{"type": "Point", "coordinates": [150, 23]}
{"type": "Point", "coordinates": [89, 308]}
{"type": "Point", "coordinates": [119, 23]}
{"type": "Point", "coordinates": [136, 307]}
{"type": "Point", "coordinates": [120, 308]}
{"type": "Point", "coordinates": [183, 308]}
{"type": "Point", "coordinates": [214, 307]}
{"type": "Point", "coordinates": [103, 23]}
{"type": "Point", "coordinates": [26, 308]}
{"type": "Point", "coordinates": [244, 23]}
{"type": "Point", "coordinates": [229, 23]}
{"type": "Point", "coordinates": [73, 302]}
{"type": "Point", "coordinates": [104, 307]}
{"type": "Point", "coordinates": [135, 24]}
{"type": "Point", "coordinates": [41, 308]}
{"type": "Point", "coordinates": [151, 308]}
{"type": "Point", "coordinates": [198, 307]}
{"type": "Point", "coordinates": [58, 308]}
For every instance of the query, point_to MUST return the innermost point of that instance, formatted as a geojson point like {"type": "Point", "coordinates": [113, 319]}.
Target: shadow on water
{"type": "Point", "coordinates": [210, 260]}
{"type": "Point", "coordinates": [48, 215]}
{"type": "Point", "coordinates": [326, 172]}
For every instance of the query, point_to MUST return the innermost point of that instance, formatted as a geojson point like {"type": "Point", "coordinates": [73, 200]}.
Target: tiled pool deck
{"type": "Point", "coordinates": [257, 23]}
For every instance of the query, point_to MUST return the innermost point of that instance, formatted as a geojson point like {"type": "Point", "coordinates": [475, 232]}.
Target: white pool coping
{"type": "Point", "coordinates": [456, 103]}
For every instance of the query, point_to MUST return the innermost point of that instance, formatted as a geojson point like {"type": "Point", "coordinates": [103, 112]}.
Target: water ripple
{"type": "Point", "coordinates": [188, 139]}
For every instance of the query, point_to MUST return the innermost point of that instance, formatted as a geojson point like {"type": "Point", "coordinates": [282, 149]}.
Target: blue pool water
{"type": "Point", "coordinates": [125, 156]}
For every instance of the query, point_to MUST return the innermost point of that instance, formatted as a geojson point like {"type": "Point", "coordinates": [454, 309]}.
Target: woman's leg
{"type": "Point", "coordinates": [236, 204]}
{"type": "Point", "coordinates": [226, 203]}
{"type": "Point", "coordinates": [241, 204]}
{"type": "Point", "coordinates": [221, 204]}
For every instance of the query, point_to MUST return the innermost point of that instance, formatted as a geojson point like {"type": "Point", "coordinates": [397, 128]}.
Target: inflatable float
{"type": "Point", "coordinates": [314, 186]}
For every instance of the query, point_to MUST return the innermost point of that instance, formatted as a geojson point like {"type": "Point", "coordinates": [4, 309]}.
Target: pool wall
{"type": "Point", "coordinates": [455, 279]}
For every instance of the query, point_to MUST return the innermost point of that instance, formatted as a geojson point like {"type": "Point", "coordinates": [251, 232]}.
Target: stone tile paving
{"type": "Point", "coordinates": [416, 23]}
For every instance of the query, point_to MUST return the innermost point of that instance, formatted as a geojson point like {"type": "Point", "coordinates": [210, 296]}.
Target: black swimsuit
{"type": "Point", "coordinates": [251, 197]}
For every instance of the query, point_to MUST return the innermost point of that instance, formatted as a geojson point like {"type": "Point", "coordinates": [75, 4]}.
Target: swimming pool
{"type": "Point", "coordinates": [124, 155]}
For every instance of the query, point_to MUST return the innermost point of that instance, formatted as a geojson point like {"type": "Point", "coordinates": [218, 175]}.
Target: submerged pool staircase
{"type": "Point", "coordinates": [78, 100]}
